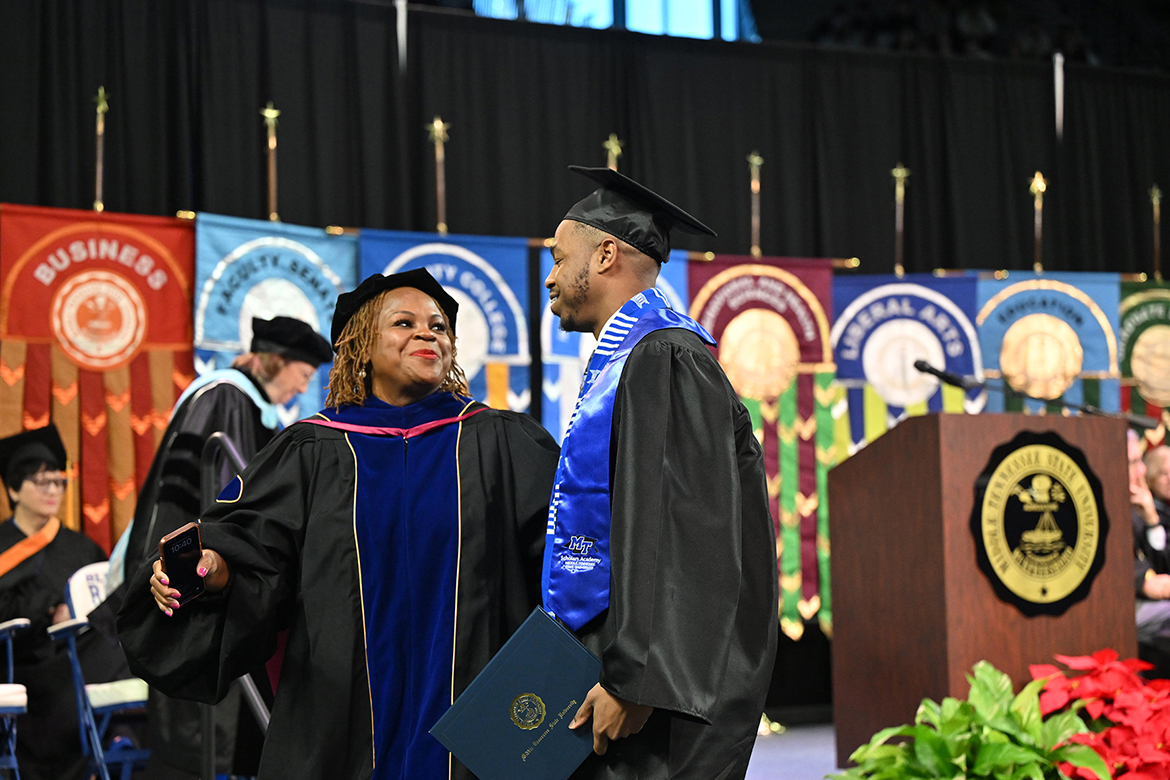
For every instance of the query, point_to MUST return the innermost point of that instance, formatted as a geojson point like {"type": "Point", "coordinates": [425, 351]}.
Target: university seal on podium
{"type": "Point", "coordinates": [527, 711]}
{"type": "Point", "coordinates": [1039, 523]}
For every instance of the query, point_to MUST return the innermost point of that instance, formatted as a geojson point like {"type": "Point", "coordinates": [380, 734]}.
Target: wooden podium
{"type": "Point", "coordinates": [912, 610]}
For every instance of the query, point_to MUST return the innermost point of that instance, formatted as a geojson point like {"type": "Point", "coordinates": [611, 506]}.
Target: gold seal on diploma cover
{"type": "Point", "coordinates": [527, 711]}
{"type": "Point", "coordinates": [760, 353]}
{"type": "Point", "coordinates": [1041, 356]}
{"type": "Point", "coordinates": [1149, 362]}
{"type": "Point", "coordinates": [1040, 523]}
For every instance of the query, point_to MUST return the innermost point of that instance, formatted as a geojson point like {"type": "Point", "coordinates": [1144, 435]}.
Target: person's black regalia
{"type": "Point", "coordinates": [233, 401]}
{"type": "Point", "coordinates": [689, 624]}
{"type": "Point", "coordinates": [397, 565]}
{"type": "Point", "coordinates": [34, 569]}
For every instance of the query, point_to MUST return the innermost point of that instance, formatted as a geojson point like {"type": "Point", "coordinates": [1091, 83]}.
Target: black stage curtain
{"type": "Point", "coordinates": [187, 79]}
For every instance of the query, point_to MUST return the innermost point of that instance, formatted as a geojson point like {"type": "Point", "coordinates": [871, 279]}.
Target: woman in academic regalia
{"type": "Point", "coordinates": [37, 556]}
{"type": "Point", "coordinates": [397, 536]}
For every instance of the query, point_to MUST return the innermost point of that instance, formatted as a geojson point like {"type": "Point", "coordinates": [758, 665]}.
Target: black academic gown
{"type": "Point", "coordinates": [171, 497]}
{"type": "Point", "coordinates": [691, 625]}
{"type": "Point", "coordinates": [290, 542]}
{"type": "Point", "coordinates": [48, 742]}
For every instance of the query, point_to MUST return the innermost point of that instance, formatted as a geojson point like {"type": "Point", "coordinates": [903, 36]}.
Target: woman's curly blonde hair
{"type": "Point", "coordinates": [351, 377]}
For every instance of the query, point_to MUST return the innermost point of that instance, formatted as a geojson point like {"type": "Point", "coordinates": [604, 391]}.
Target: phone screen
{"type": "Point", "coordinates": [181, 554]}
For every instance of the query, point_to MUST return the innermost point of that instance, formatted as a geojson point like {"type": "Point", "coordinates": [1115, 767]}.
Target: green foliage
{"type": "Point", "coordinates": [994, 734]}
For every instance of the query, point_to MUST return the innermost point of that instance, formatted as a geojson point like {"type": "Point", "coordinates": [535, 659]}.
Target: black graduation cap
{"type": "Point", "coordinates": [418, 278]}
{"type": "Point", "coordinates": [624, 208]}
{"type": "Point", "coordinates": [40, 445]}
{"type": "Point", "coordinates": [291, 338]}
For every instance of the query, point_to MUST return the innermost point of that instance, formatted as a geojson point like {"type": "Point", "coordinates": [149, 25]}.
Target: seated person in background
{"type": "Point", "coordinates": [38, 556]}
{"type": "Point", "coordinates": [1151, 553]}
{"type": "Point", "coordinates": [1157, 460]}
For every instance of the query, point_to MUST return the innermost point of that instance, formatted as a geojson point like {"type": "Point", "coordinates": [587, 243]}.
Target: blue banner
{"type": "Point", "coordinates": [488, 277]}
{"type": "Point", "coordinates": [247, 268]}
{"type": "Point", "coordinates": [1053, 336]}
{"type": "Point", "coordinates": [884, 325]}
{"type": "Point", "coordinates": [565, 355]}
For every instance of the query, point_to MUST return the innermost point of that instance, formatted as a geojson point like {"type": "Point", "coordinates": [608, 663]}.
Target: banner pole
{"type": "Point", "coordinates": [270, 114]}
{"type": "Point", "coordinates": [103, 106]}
{"type": "Point", "coordinates": [900, 174]}
{"type": "Point", "coordinates": [613, 147]}
{"type": "Point", "coordinates": [1156, 202]}
{"type": "Point", "coordinates": [755, 161]}
{"type": "Point", "coordinates": [1037, 187]}
{"type": "Point", "coordinates": [438, 135]}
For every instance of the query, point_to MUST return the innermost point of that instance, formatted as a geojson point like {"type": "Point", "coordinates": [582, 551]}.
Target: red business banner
{"type": "Point", "coordinates": [85, 299]}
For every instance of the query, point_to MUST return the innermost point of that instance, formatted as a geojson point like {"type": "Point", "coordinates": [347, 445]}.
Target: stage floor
{"type": "Point", "coordinates": [805, 752]}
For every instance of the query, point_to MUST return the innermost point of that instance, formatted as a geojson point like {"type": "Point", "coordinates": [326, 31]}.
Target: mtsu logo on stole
{"type": "Point", "coordinates": [577, 558]}
{"type": "Point", "coordinates": [1038, 523]}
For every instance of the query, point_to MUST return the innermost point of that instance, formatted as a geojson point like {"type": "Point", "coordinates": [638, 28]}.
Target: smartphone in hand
{"type": "Point", "coordinates": [180, 551]}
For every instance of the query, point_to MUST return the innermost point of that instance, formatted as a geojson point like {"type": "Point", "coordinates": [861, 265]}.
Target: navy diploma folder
{"type": "Point", "coordinates": [512, 722]}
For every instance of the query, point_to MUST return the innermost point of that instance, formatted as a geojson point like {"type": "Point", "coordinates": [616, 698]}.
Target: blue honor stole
{"type": "Point", "coordinates": [576, 550]}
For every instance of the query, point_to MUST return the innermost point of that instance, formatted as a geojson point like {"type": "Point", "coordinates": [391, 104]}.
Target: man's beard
{"type": "Point", "coordinates": [575, 295]}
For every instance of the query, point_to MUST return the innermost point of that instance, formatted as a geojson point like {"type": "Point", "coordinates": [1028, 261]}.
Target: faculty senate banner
{"type": "Point", "coordinates": [1145, 353]}
{"type": "Point", "coordinates": [249, 268]}
{"type": "Point", "coordinates": [95, 335]}
{"type": "Point", "coordinates": [884, 325]}
{"type": "Point", "coordinates": [488, 277]}
{"type": "Point", "coordinates": [1052, 336]}
{"type": "Point", "coordinates": [770, 318]}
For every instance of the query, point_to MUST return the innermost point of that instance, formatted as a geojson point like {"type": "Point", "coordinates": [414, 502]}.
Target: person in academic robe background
{"type": "Point", "coordinates": [397, 536]}
{"type": "Point", "coordinates": [37, 556]}
{"type": "Point", "coordinates": [661, 550]}
{"type": "Point", "coordinates": [241, 401]}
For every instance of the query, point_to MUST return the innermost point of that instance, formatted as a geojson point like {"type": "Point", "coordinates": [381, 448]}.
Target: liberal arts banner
{"type": "Point", "coordinates": [488, 277]}
{"type": "Point", "coordinates": [565, 354]}
{"type": "Point", "coordinates": [770, 318]}
{"type": "Point", "coordinates": [95, 336]}
{"type": "Point", "coordinates": [249, 268]}
{"type": "Point", "coordinates": [884, 324]}
{"type": "Point", "coordinates": [1145, 353]}
{"type": "Point", "coordinates": [1051, 336]}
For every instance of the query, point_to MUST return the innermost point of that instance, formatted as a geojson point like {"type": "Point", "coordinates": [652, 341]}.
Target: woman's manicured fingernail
{"type": "Point", "coordinates": [168, 612]}
{"type": "Point", "coordinates": [165, 581]}
{"type": "Point", "coordinates": [202, 571]}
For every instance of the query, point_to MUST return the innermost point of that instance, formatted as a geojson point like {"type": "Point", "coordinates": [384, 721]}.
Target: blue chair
{"type": "Point", "coordinates": [13, 701]}
{"type": "Point", "coordinates": [98, 703]}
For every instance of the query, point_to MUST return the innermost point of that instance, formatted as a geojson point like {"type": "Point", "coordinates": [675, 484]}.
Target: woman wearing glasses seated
{"type": "Point", "coordinates": [38, 554]}
{"type": "Point", "coordinates": [397, 535]}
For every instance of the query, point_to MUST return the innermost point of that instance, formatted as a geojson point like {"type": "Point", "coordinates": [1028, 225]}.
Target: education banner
{"type": "Point", "coordinates": [770, 318]}
{"type": "Point", "coordinates": [95, 336]}
{"type": "Point", "coordinates": [1145, 353]}
{"type": "Point", "coordinates": [564, 355]}
{"type": "Point", "coordinates": [249, 268]}
{"type": "Point", "coordinates": [884, 325]}
{"type": "Point", "coordinates": [1052, 336]}
{"type": "Point", "coordinates": [488, 277]}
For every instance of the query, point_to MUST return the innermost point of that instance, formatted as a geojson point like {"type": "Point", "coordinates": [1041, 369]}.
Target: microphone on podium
{"type": "Point", "coordinates": [947, 377]}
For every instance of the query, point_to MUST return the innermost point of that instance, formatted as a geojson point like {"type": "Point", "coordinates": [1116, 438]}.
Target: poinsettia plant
{"type": "Point", "coordinates": [993, 734]}
{"type": "Point", "coordinates": [1130, 716]}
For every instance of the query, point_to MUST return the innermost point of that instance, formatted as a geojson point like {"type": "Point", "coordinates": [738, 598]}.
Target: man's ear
{"type": "Point", "coordinates": [607, 253]}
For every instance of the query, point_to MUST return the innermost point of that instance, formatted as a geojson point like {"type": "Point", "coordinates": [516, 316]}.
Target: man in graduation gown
{"type": "Point", "coordinates": [240, 401]}
{"type": "Point", "coordinates": [38, 555]}
{"type": "Point", "coordinates": [660, 552]}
